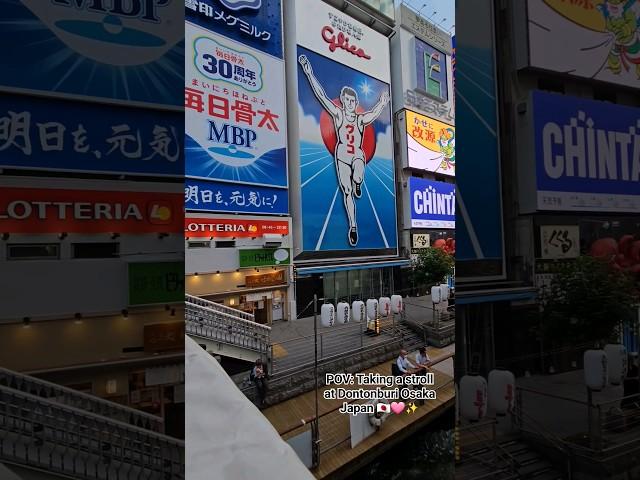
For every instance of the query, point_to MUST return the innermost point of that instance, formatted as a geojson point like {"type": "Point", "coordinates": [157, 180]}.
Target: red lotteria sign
{"type": "Point", "coordinates": [223, 227]}
{"type": "Point", "coordinates": [49, 210]}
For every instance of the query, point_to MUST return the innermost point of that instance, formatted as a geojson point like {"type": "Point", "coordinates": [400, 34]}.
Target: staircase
{"type": "Point", "coordinates": [66, 434]}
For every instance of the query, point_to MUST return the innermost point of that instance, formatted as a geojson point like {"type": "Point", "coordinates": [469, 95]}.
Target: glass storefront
{"type": "Point", "coordinates": [352, 285]}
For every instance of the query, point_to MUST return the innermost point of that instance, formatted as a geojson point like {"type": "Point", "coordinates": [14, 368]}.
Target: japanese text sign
{"type": "Point", "coordinates": [431, 144]}
{"type": "Point", "coordinates": [233, 227]}
{"type": "Point", "coordinates": [161, 282]}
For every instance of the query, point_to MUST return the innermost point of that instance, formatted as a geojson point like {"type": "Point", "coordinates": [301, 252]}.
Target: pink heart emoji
{"type": "Point", "coordinates": [397, 407]}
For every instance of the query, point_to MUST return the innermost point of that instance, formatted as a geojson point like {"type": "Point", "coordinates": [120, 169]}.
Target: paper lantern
{"type": "Point", "coordinates": [617, 362]}
{"type": "Point", "coordinates": [473, 397]}
{"type": "Point", "coordinates": [502, 391]}
{"type": "Point", "coordinates": [372, 309]}
{"type": "Point", "coordinates": [596, 374]}
{"type": "Point", "coordinates": [444, 292]}
{"type": "Point", "coordinates": [396, 303]}
{"type": "Point", "coordinates": [435, 294]}
{"type": "Point", "coordinates": [384, 306]}
{"type": "Point", "coordinates": [327, 315]}
{"type": "Point", "coordinates": [343, 312]}
{"type": "Point", "coordinates": [358, 311]}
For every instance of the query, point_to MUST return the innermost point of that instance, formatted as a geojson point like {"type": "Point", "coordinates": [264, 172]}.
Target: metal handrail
{"type": "Point", "coordinates": [217, 306]}
{"type": "Point", "coordinates": [74, 398]}
{"type": "Point", "coordinates": [40, 433]}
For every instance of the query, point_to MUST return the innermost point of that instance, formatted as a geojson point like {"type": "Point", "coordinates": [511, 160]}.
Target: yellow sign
{"type": "Point", "coordinates": [583, 12]}
{"type": "Point", "coordinates": [431, 144]}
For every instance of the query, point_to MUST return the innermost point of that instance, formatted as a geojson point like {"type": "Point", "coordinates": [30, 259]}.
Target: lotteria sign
{"type": "Point", "coordinates": [231, 227]}
{"type": "Point", "coordinates": [587, 154]}
{"type": "Point", "coordinates": [433, 204]}
{"type": "Point", "coordinates": [128, 50]}
{"type": "Point", "coordinates": [30, 210]}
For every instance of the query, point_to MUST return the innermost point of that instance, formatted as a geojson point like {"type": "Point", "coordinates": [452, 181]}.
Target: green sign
{"type": "Point", "coordinates": [264, 257]}
{"type": "Point", "coordinates": [161, 282]}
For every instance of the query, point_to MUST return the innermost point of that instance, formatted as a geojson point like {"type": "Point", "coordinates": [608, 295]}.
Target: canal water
{"type": "Point", "coordinates": [426, 455]}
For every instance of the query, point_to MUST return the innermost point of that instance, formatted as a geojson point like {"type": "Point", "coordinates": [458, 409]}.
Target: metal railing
{"type": "Point", "coordinates": [43, 434]}
{"type": "Point", "coordinates": [190, 299]}
{"type": "Point", "coordinates": [83, 401]}
{"type": "Point", "coordinates": [212, 324]}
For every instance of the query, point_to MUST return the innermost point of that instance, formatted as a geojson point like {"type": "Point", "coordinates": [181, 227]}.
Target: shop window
{"type": "Point", "coordinates": [206, 244]}
{"type": "Point", "coordinates": [226, 244]}
{"type": "Point", "coordinates": [96, 250]}
{"type": "Point", "coordinates": [33, 251]}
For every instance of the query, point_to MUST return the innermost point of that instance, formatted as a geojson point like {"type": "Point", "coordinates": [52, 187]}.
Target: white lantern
{"type": "Point", "coordinates": [595, 369]}
{"type": "Point", "coordinates": [327, 315]}
{"type": "Point", "coordinates": [473, 397]}
{"type": "Point", "coordinates": [343, 312]}
{"type": "Point", "coordinates": [435, 294]}
{"type": "Point", "coordinates": [358, 311]}
{"type": "Point", "coordinates": [384, 306]}
{"type": "Point", "coordinates": [444, 291]}
{"type": "Point", "coordinates": [372, 309]}
{"type": "Point", "coordinates": [396, 303]}
{"type": "Point", "coordinates": [502, 391]}
{"type": "Point", "coordinates": [617, 361]}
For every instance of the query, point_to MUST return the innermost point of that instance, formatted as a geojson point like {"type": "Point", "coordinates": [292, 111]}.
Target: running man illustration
{"type": "Point", "coordinates": [349, 126]}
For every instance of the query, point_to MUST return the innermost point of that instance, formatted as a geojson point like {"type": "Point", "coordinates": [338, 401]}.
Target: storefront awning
{"type": "Point", "coordinates": [352, 266]}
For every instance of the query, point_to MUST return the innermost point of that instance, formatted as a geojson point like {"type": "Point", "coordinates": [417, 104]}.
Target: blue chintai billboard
{"type": "Point", "coordinates": [587, 154]}
{"type": "Point", "coordinates": [433, 204]}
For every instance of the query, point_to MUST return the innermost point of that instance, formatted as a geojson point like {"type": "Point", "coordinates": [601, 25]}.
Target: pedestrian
{"type": "Point", "coordinates": [259, 378]}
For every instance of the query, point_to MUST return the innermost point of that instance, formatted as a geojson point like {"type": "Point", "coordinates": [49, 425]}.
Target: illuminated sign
{"type": "Point", "coordinates": [431, 145]}
{"type": "Point", "coordinates": [224, 227]}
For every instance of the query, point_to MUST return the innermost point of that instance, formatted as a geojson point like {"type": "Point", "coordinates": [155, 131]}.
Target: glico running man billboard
{"type": "Point", "coordinates": [345, 129]}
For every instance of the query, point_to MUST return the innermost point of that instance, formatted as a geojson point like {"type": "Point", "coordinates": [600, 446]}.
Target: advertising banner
{"type": "Point", "coordinates": [425, 29]}
{"type": "Point", "coordinates": [234, 198]}
{"type": "Point", "coordinates": [433, 204]}
{"type": "Point", "coordinates": [156, 282]}
{"type": "Point", "coordinates": [255, 23]}
{"type": "Point", "coordinates": [50, 134]}
{"type": "Point", "coordinates": [586, 39]}
{"type": "Point", "coordinates": [234, 116]}
{"type": "Point", "coordinates": [129, 51]}
{"type": "Point", "coordinates": [264, 257]}
{"type": "Point", "coordinates": [587, 154]}
{"type": "Point", "coordinates": [44, 210]}
{"type": "Point", "coordinates": [420, 241]}
{"type": "Point", "coordinates": [559, 241]}
{"type": "Point", "coordinates": [431, 68]}
{"type": "Point", "coordinates": [265, 279]}
{"type": "Point", "coordinates": [346, 133]}
{"type": "Point", "coordinates": [431, 145]}
{"type": "Point", "coordinates": [233, 227]}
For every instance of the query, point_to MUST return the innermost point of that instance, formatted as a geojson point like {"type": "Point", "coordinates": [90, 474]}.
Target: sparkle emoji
{"type": "Point", "coordinates": [412, 408]}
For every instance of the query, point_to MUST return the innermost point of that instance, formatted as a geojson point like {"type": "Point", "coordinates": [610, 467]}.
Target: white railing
{"type": "Point", "coordinates": [67, 441]}
{"type": "Point", "coordinates": [222, 327]}
{"type": "Point", "coordinates": [82, 401]}
{"type": "Point", "coordinates": [190, 299]}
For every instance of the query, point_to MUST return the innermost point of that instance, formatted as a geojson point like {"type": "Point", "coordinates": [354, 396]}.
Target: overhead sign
{"type": "Point", "coordinates": [50, 134]}
{"type": "Point", "coordinates": [587, 39]}
{"type": "Point", "coordinates": [156, 282]}
{"type": "Point", "coordinates": [233, 227]}
{"type": "Point", "coordinates": [425, 30]}
{"type": "Point", "coordinates": [164, 337]}
{"type": "Point", "coordinates": [44, 210]}
{"type": "Point", "coordinates": [345, 134]}
{"type": "Point", "coordinates": [255, 23]}
{"type": "Point", "coordinates": [431, 69]}
{"type": "Point", "coordinates": [234, 198]}
{"type": "Point", "coordinates": [431, 145]}
{"type": "Point", "coordinates": [264, 257]}
{"type": "Point", "coordinates": [129, 51]}
{"type": "Point", "coordinates": [587, 154]}
{"type": "Point", "coordinates": [265, 279]}
{"type": "Point", "coordinates": [433, 204]}
{"type": "Point", "coordinates": [234, 114]}
{"type": "Point", "coordinates": [559, 241]}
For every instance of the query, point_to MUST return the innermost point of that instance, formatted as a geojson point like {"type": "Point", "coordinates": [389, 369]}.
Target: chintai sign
{"type": "Point", "coordinates": [433, 204]}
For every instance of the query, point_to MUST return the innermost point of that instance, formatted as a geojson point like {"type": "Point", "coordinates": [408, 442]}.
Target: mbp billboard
{"type": "Point", "coordinates": [235, 121]}
{"type": "Point", "coordinates": [347, 199]}
{"type": "Point", "coordinates": [587, 39]}
{"type": "Point", "coordinates": [431, 145]}
{"type": "Point", "coordinates": [130, 51]}
{"type": "Point", "coordinates": [433, 204]}
{"type": "Point", "coordinates": [587, 154]}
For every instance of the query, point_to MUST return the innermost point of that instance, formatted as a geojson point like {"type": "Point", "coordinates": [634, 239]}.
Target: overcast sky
{"type": "Point", "coordinates": [446, 9]}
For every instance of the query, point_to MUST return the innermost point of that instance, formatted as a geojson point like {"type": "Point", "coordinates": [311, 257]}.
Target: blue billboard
{"type": "Point", "coordinates": [431, 68]}
{"type": "Point", "coordinates": [433, 204]}
{"type": "Point", "coordinates": [128, 51]}
{"type": "Point", "coordinates": [348, 199]}
{"type": "Point", "coordinates": [208, 196]}
{"type": "Point", "coordinates": [587, 154]}
{"type": "Point", "coordinates": [255, 23]}
{"type": "Point", "coordinates": [39, 133]}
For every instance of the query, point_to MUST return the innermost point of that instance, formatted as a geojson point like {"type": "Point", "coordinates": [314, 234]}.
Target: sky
{"type": "Point", "coordinates": [446, 9]}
